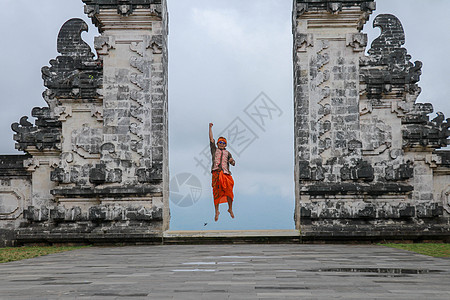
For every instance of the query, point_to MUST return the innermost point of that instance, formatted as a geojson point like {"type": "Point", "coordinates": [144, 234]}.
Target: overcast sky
{"type": "Point", "coordinates": [219, 52]}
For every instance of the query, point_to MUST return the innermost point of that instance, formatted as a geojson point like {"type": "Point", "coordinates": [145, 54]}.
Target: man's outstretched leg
{"type": "Point", "coordinates": [230, 207]}
{"type": "Point", "coordinates": [217, 212]}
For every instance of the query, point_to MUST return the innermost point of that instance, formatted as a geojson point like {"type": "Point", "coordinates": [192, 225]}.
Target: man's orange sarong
{"type": "Point", "coordinates": [222, 185]}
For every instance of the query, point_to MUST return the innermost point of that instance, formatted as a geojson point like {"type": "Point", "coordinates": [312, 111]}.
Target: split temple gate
{"type": "Point", "coordinates": [366, 160]}
{"type": "Point", "coordinates": [95, 168]}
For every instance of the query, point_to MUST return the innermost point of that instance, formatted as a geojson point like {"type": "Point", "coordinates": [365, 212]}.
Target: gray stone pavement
{"type": "Point", "coordinates": [286, 271]}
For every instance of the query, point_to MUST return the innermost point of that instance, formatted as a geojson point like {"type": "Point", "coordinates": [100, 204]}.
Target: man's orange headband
{"type": "Point", "coordinates": [222, 140]}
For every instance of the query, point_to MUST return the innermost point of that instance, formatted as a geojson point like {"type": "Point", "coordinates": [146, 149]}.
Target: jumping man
{"type": "Point", "coordinates": [222, 182]}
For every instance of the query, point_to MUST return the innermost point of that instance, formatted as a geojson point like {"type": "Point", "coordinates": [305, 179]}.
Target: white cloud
{"type": "Point", "coordinates": [221, 26]}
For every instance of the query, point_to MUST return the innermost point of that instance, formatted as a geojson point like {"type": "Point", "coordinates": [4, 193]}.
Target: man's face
{"type": "Point", "coordinates": [221, 145]}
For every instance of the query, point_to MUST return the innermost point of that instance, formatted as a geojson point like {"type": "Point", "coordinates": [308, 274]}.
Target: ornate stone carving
{"type": "Point", "coordinates": [73, 74]}
{"type": "Point", "coordinates": [332, 6]}
{"type": "Point", "coordinates": [100, 213]}
{"type": "Point", "coordinates": [11, 202]}
{"type": "Point", "coordinates": [86, 141]}
{"type": "Point", "coordinates": [376, 136]}
{"type": "Point", "coordinates": [97, 112]}
{"type": "Point", "coordinates": [124, 8]}
{"type": "Point", "coordinates": [45, 134]}
{"type": "Point", "coordinates": [401, 172]}
{"type": "Point", "coordinates": [389, 64]}
{"type": "Point", "coordinates": [77, 174]}
{"type": "Point", "coordinates": [150, 175]}
{"type": "Point", "coordinates": [313, 173]}
{"type": "Point", "coordinates": [358, 41]}
{"type": "Point", "coordinates": [419, 132]}
{"type": "Point", "coordinates": [63, 112]}
{"type": "Point", "coordinates": [304, 40]}
{"type": "Point", "coordinates": [100, 175]}
{"type": "Point", "coordinates": [104, 43]}
{"type": "Point", "coordinates": [382, 210]}
{"type": "Point", "coordinates": [446, 197]}
{"type": "Point", "coordinates": [361, 170]}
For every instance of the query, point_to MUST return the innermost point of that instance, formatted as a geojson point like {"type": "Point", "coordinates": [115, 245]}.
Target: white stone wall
{"type": "Point", "coordinates": [365, 149]}
{"type": "Point", "coordinates": [15, 195]}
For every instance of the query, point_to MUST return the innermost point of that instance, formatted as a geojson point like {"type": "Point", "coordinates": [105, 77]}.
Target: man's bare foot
{"type": "Point", "coordinates": [217, 216]}
{"type": "Point", "coordinates": [231, 213]}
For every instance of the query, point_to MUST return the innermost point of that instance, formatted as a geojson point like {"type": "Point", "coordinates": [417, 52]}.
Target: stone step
{"type": "Point", "coordinates": [230, 236]}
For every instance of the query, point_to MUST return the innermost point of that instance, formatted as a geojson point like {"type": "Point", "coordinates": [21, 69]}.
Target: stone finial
{"type": "Point", "coordinates": [391, 39]}
{"type": "Point", "coordinates": [45, 134]}
{"type": "Point", "coordinates": [419, 132]}
{"type": "Point", "coordinates": [74, 74]}
{"type": "Point", "coordinates": [70, 42]}
{"type": "Point", "coordinates": [389, 63]}
{"type": "Point", "coordinates": [389, 69]}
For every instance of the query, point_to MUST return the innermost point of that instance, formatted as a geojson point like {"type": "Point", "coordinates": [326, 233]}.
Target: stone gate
{"type": "Point", "coordinates": [95, 167]}
{"type": "Point", "coordinates": [366, 160]}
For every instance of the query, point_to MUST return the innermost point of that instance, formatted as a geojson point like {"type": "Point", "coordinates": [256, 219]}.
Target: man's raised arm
{"type": "Point", "coordinates": [211, 138]}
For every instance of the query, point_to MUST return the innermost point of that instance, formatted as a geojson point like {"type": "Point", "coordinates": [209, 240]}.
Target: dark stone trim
{"type": "Point", "coordinates": [445, 157]}
{"type": "Point", "coordinates": [367, 211]}
{"type": "Point", "coordinates": [7, 238]}
{"type": "Point", "coordinates": [333, 6]}
{"type": "Point", "coordinates": [108, 192]}
{"type": "Point", "coordinates": [438, 231]}
{"type": "Point", "coordinates": [24, 237]}
{"type": "Point", "coordinates": [356, 188]}
{"type": "Point", "coordinates": [114, 3]}
{"type": "Point", "coordinates": [124, 8]}
{"type": "Point", "coordinates": [308, 235]}
{"type": "Point", "coordinates": [12, 166]}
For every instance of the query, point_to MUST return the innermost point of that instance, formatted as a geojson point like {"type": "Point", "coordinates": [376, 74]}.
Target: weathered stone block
{"type": "Point", "coordinates": [150, 175]}
{"type": "Point", "coordinates": [403, 172]}
{"type": "Point", "coordinates": [305, 212]}
{"type": "Point", "coordinates": [58, 214]}
{"type": "Point", "coordinates": [157, 214]}
{"type": "Point", "coordinates": [36, 214]}
{"type": "Point", "coordinates": [97, 175]}
{"type": "Point", "coordinates": [407, 212]}
{"type": "Point", "coordinates": [97, 214]}
{"type": "Point", "coordinates": [58, 175]}
{"type": "Point", "coordinates": [29, 213]}
{"type": "Point", "coordinates": [304, 170]}
{"type": "Point", "coordinates": [362, 170]}
{"type": "Point", "coordinates": [141, 214]}
{"type": "Point", "coordinates": [74, 214]}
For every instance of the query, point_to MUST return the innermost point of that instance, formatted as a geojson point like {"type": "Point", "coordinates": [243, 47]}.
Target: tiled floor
{"type": "Point", "coordinates": [228, 272]}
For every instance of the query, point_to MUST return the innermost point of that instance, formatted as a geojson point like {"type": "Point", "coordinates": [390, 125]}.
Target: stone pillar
{"type": "Point", "coordinates": [133, 50]}
{"type": "Point", "coordinates": [363, 146]}
{"type": "Point", "coordinates": [99, 151]}
{"type": "Point", "coordinates": [328, 45]}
